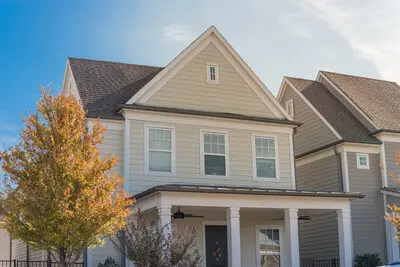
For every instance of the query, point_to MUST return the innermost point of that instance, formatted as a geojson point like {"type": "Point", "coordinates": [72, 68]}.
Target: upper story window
{"type": "Point", "coordinates": [214, 154]}
{"type": "Point", "coordinates": [265, 158]}
{"type": "Point", "coordinates": [290, 108]}
{"type": "Point", "coordinates": [160, 146]}
{"type": "Point", "coordinates": [212, 73]}
{"type": "Point", "coordinates": [362, 161]}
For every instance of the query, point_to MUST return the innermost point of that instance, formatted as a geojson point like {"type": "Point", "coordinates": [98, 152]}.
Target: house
{"type": "Point", "coordinates": [350, 125]}
{"type": "Point", "coordinates": [204, 136]}
{"type": "Point", "coordinates": [5, 245]}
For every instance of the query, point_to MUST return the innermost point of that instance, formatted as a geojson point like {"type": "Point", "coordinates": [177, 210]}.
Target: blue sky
{"type": "Point", "coordinates": [276, 38]}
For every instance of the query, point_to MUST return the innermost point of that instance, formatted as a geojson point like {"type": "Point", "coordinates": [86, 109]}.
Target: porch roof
{"type": "Point", "coordinates": [393, 191]}
{"type": "Point", "coordinates": [245, 190]}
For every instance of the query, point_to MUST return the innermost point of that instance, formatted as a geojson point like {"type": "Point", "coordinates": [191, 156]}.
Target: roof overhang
{"type": "Point", "coordinates": [216, 189]}
{"type": "Point", "coordinates": [390, 191]}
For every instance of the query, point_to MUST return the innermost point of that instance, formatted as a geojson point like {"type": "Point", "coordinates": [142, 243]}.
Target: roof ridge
{"type": "Point", "coordinates": [114, 62]}
{"type": "Point", "coordinates": [356, 76]}
{"type": "Point", "coordinates": [291, 77]}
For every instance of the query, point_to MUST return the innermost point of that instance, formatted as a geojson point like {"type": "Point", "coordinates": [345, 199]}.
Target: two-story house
{"type": "Point", "coordinates": [348, 142]}
{"type": "Point", "coordinates": [204, 136]}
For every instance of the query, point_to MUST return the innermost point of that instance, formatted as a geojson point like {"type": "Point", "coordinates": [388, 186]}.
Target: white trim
{"type": "Point", "coordinates": [388, 137]}
{"type": "Point", "coordinates": [345, 237]}
{"type": "Point", "coordinates": [161, 117]}
{"type": "Point", "coordinates": [127, 154]}
{"type": "Point", "coordinates": [290, 107]}
{"type": "Point", "coordinates": [345, 172]}
{"type": "Point", "coordinates": [216, 74]}
{"type": "Point", "coordinates": [359, 166]}
{"type": "Point", "coordinates": [257, 240]}
{"type": "Point", "coordinates": [211, 35]}
{"type": "Point", "coordinates": [315, 156]}
{"type": "Point", "coordinates": [202, 166]}
{"type": "Point", "coordinates": [89, 257]}
{"type": "Point", "coordinates": [285, 80]}
{"type": "Point", "coordinates": [322, 74]}
{"type": "Point", "coordinates": [221, 223]}
{"type": "Point", "coordinates": [292, 161]}
{"type": "Point", "coordinates": [147, 127]}
{"type": "Point", "coordinates": [359, 148]}
{"type": "Point", "coordinates": [109, 124]}
{"type": "Point", "coordinates": [254, 158]}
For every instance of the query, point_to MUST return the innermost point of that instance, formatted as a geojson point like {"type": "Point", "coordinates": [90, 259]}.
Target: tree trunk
{"type": "Point", "coordinates": [62, 253]}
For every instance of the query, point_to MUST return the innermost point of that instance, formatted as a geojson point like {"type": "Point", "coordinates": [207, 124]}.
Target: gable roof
{"type": "Point", "coordinates": [103, 85]}
{"type": "Point", "coordinates": [378, 99]}
{"type": "Point", "coordinates": [338, 116]}
{"type": "Point", "coordinates": [231, 55]}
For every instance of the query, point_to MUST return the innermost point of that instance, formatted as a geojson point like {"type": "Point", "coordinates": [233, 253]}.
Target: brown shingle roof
{"type": "Point", "coordinates": [103, 85]}
{"type": "Point", "coordinates": [379, 99]}
{"type": "Point", "coordinates": [341, 119]}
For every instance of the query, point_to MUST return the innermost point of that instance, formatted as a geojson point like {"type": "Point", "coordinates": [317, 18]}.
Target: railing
{"type": "Point", "coordinates": [18, 263]}
{"type": "Point", "coordinates": [319, 263]}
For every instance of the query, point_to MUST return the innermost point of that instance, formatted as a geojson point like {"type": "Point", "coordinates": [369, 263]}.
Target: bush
{"type": "Point", "coordinates": [368, 260]}
{"type": "Point", "coordinates": [110, 262]}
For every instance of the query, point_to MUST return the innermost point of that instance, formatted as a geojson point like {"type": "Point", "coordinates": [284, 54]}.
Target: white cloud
{"type": "Point", "coordinates": [296, 23]}
{"type": "Point", "coordinates": [372, 29]}
{"type": "Point", "coordinates": [178, 33]}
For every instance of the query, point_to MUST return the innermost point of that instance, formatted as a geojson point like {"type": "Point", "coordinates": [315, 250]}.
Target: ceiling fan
{"type": "Point", "coordinates": [179, 215]}
{"type": "Point", "coordinates": [300, 218]}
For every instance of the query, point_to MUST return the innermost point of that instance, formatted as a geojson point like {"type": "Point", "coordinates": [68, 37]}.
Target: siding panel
{"type": "Point", "coordinates": [390, 153]}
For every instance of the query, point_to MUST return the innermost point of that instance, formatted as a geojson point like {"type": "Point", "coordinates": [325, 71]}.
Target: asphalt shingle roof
{"type": "Point", "coordinates": [379, 99]}
{"type": "Point", "coordinates": [341, 119]}
{"type": "Point", "coordinates": [103, 85]}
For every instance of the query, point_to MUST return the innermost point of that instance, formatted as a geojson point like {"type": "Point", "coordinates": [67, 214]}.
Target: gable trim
{"type": "Point", "coordinates": [64, 88]}
{"type": "Point", "coordinates": [190, 52]}
{"type": "Point", "coordinates": [321, 74]}
{"type": "Point", "coordinates": [285, 80]}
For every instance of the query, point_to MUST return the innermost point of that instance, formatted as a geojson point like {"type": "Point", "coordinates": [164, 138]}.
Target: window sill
{"type": "Point", "coordinates": [260, 179]}
{"type": "Point", "coordinates": [166, 174]}
{"type": "Point", "coordinates": [215, 177]}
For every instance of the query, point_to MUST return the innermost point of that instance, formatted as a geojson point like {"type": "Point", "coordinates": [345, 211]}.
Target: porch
{"type": "Point", "coordinates": [243, 226]}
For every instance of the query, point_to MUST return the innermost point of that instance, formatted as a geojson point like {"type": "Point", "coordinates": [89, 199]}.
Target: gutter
{"type": "Point", "coordinates": [339, 159]}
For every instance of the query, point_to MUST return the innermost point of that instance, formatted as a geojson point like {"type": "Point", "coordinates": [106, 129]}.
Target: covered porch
{"type": "Point", "coordinates": [244, 226]}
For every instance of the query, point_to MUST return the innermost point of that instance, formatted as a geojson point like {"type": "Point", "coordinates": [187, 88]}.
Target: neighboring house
{"type": "Point", "coordinates": [350, 125]}
{"type": "Point", "coordinates": [204, 135]}
{"type": "Point", "coordinates": [5, 245]}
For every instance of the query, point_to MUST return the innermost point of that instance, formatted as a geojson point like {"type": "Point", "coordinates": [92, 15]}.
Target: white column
{"type": "Point", "coordinates": [345, 237]}
{"type": "Point", "coordinates": [233, 222]}
{"type": "Point", "coordinates": [345, 171]}
{"type": "Point", "coordinates": [127, 153]}
{"type": "Point", "coordinates": [164, 214]}
{"type": "Point", "coordinates": [292, 257]}
{"type": "Point", "coordinates": [89, 257]}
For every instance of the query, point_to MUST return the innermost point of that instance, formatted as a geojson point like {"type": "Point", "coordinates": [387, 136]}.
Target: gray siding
{"type": "Point", "coordinates": [348, 105]}
{"type": "Point", "coordinates": [367, 214]}
{"type": "Point", "coordinates": [390, 153]}
{"type": "Point", "coordinates": [18, 250]}
{"type": "Point", "coordinates": [318, 238]}
{"type": "Point", "coordinates": [314, 132]}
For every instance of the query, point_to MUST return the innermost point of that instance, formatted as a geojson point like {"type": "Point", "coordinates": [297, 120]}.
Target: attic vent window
{"type": "Point", "coordinates": [212, 73]}
{"type": "Point", "coordinates": [290, 108]}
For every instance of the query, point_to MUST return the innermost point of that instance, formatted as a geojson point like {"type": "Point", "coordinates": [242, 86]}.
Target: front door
{"type": "Point", "coordinates": [216, 246]}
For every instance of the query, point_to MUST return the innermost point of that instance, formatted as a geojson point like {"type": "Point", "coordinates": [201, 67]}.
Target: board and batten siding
{"type": "Point", "coordinates": [187, 144]}
{"type": "Point", "coordinates": [390, 154]}
{"type": "Point", "coordinates": [368, 223]}
{"type": "Point", "coordinates": [189, 89]}
{"type": "Point", "coordinates": [314, 133]}
{"type": "Point", "coordinates": [318, 238]}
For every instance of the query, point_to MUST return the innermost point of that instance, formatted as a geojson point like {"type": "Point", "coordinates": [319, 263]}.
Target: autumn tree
{"type": "Point", "coordinates": [59, 194]}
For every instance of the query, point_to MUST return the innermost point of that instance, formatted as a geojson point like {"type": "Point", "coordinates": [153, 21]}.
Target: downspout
{"type": "Point", "coordinates": [339, 159]}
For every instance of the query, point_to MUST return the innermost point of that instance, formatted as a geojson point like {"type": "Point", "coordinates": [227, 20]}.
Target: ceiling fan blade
{"type": "Point", "coordinates": [193, 216]}
{"type": "Point", "coordinates": [300, 218]}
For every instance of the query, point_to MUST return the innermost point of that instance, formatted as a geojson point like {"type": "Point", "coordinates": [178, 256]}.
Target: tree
{"type": "Point", "coordinates": [394, 215]}
{"type": "Point", "coordinates": [59, 194]}
{"type": "Point", "coordinates": [145, 244]}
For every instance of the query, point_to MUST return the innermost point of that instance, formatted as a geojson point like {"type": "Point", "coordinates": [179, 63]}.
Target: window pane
{"type": "Point", "coordinates": [207, 138]}
{"type": "Point", "coordinates": [207, 148]}
{"type": "Point", "coordinates": [265, 147]}
{"type": "Point", "coordinates": [160, 139]}
{"type": "Point", "coordinates": [266, 168]}
{"type": "Point", "coordinates": [160, 161]}
{"type": "Point", "coordinates": [214, 143]}
{"type": "Point", "coordinates": [214, 165]}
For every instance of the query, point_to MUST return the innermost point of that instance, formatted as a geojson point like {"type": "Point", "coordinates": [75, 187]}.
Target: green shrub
{"type": "Point", "coordinates": [367, 260]}
{"type": "Point", "coordinates": [110, 262]}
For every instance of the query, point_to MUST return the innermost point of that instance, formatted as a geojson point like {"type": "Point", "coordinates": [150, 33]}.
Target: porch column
{"type": "Point", "coordinates": [233, 223]}
{"type": "Point", "coordinates": [345, 237]}
{"type": "Point", "coordinates": [292, 258]}
{"type": "Point", "coordinates": [164, 214]}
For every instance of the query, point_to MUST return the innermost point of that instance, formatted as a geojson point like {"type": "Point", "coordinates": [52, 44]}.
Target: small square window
{"type": "Point", "coordinates": [212, 73]}
{"type": "Point", "coordinates": [290, 108]}
{"type": "Point", "coordinates": [362, 161]}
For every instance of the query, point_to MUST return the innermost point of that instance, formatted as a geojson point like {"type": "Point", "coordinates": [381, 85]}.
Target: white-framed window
{"type": "Point", "coordinates": [290, 107]}
{"type": "Point", "coordinates": [268, 245]}
{"type": "Point", "coordinates": [214, 154]}
{"type": "Point", "coordinates": [362, 161]}
{"type": "Point", "coordinates": [212, 73]}
{"type": "Point", "coordinates": [159, 150]}
{"type": "Point", "coordinates": [265, 157]}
